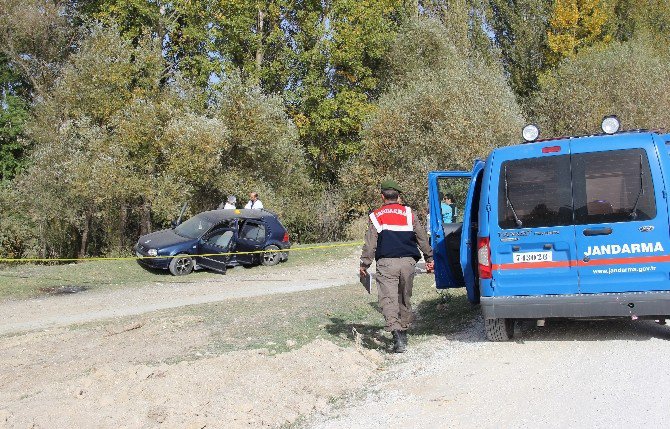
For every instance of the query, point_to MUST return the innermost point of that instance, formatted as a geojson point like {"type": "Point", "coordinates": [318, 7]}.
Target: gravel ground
{"type": "Point", "coordinates": [568, 374]}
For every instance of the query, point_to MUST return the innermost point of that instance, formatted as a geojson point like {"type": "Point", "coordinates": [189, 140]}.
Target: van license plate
{"type": "Point", "coordinates": [532, 257]}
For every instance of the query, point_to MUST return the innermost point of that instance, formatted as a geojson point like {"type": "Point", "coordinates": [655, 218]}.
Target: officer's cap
{"type": "Point", "coordinates": [390, 184]}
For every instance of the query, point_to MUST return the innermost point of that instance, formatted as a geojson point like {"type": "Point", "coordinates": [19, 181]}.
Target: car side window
{"type": "Point", "coordinates": [221, 238]}
{"type": "Point", "coordinates": [613, 186]}
{"type": "Point", "coordinates": [253, 231]}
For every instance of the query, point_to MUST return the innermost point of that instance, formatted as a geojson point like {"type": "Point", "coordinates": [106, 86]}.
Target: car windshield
{"type": "Point", "coordinates": [195, 227]}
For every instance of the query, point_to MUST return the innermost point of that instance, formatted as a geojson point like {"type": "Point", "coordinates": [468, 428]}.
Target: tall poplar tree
{"type": "Point", "coordinates": [520, 32]}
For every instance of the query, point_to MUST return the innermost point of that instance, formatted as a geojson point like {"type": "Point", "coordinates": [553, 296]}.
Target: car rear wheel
{"type": "Point", "coordinates": [272, 257]}
{"type": "Point", "coordinates": [499, 329]}
{"type": "Point", "coordinates": [181, 265]}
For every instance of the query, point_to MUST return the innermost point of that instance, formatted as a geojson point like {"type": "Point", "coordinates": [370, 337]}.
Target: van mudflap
{"type": "Point", "coordinates": [624, 304]}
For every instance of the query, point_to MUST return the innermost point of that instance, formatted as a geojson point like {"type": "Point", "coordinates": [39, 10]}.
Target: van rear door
{"type": "Point", "coordinates": [532, 237]}
{"type": "Point", "coordinates": [446, 230]}
{"type": "Point", "coordinates": [621, 214]}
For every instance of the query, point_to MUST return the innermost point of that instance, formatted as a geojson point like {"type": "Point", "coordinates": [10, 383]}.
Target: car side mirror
{"type": "Point", "coordinates": [174, 224]}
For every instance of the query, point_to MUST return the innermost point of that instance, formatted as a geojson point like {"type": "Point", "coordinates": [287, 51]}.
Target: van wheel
{"type": "Point", "coordinates": [181, 265]}
{"type": "Point", "coordinates": [499, 329]}
{"type": "Point", "coordinates": [271, 258]}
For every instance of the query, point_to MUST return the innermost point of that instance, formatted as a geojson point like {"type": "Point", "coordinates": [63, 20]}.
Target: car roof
{"type": "Point", "coordinates": [221, 215]}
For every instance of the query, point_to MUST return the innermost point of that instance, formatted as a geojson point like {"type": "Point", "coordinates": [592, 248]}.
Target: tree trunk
{"type": "Point", "coordinates": [123, 222]}
{"type": "Point", "coordinates": [145, 219]}
{"type": "Point", "coordinates": [261, 36]}
{"type": "Point", "coordinates": [84, 235]}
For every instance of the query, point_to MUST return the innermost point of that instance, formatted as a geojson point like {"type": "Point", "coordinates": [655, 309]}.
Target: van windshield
{"type": "Point", "coordinates": [539, 190]}
{"type": "Point", "coordinates": [194, 228]}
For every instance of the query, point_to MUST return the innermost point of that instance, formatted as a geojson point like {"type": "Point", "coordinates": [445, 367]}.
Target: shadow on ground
{"type": "Point", "coordinates": [445, 315]}
{"type": "Point", "coordinates": [448, 315]}
{"type": "Point", "coordinates": [591, 330]}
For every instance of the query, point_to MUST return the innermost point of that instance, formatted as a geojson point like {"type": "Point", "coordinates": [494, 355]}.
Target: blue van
{"type": "Point", "coordinates": [575, 227]}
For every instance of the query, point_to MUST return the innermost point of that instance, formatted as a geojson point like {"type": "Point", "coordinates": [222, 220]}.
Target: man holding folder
{"type": "Point", "coordinates": [393, 240]}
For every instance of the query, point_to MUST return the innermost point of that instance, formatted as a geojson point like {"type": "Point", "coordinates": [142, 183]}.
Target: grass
{"type": "Point", "coordinates": [31, 280]}
{"type": "Point", "coordinates": [283, 322]}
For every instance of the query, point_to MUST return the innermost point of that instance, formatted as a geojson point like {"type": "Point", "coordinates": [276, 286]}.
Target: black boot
{"type": "Point", "coordinates": [403, 339]}
{"type": "Point", "coordinates": [399, 341]}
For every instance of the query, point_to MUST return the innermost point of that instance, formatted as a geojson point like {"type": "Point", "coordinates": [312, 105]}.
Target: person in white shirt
{"type": "Point", "coordinates": [229, 204]}
{"type": "Point", "coordinates": [254, 202]}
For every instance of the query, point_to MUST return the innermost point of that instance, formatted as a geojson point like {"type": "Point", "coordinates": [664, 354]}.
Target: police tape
{"type": "Point", "coordinates": [130, 258]}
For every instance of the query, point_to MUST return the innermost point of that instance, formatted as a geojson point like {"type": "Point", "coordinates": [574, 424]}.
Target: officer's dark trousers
{"type": "Point", "coordinates": [395, 278]}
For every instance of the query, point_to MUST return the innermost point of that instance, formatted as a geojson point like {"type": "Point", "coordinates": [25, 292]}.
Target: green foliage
{"type": "Point", "coordinates": [124, 138]}
{"type": "Point", "coordinates": [339, 66]}
{"type": "Point", "coordinates": [14, 112]}
{"type": "Point", "coordinates": [115, 112]}
{"type": "Point", "coordinates": [181, 27]}
{"type": "Point", "coordinates": [628, 79]}
{"type": "Point", "coordinates": [520, 30]}
{"type": "Point", "coordinates": [35, 38]}
{"type": "Point", "coordinates": [631, 18]}
{"type": "Point", "coordinates": [445, 111]}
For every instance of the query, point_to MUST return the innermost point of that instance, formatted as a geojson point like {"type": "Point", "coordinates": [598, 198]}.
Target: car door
{"type": "Point", "coordinates": [532, 236]}
{"type": "Point", "coordinates": [620, 215]}
{"type": "Point", "coordinates": [215, 248]}
{"type": "Point", "coordinates": [251, 238]}
{"type": "Point", "coordinates": [446, 237]}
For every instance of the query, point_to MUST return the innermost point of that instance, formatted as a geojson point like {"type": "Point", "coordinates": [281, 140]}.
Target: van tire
{"type": "Point", "coordinates": [499, 329]}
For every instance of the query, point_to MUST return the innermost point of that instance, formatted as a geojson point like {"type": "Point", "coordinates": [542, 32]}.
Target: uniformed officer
{"type": "Point", "coordinates": [393, 240]}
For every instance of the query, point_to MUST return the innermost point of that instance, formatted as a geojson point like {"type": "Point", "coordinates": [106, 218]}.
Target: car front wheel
{"type": "Point", "coordinates": [272, 257]}
{"type": "Point", "coordinates": [181, 265]}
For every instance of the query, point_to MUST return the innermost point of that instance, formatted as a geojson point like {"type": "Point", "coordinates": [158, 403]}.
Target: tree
{"type": "Point", "coordinates": [628, 79]}
{"type": "Point", "coordinates": [14, 112]}
{"type": "Point", "coordinates": [520, 32]}
{"type": "Point", "coordinates": [576, 24]}
{"type": "Point", "coordinates": [445, 110]}
{"type": "Point", "coordinates": [633, 18]}
{"type": "Point", "coordinates": [340, 52]}
{"type": "Point", "coordinates": [36, 36]}
{"type": "Point", "coordinates": [182, 27]}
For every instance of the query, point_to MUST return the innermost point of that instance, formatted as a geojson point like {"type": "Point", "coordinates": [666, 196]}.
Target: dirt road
{"type": "Point", "coordinates": [63, 310]}
{"type": "Point", "coordinates": [153, 369]}
{"type": "Point", "coordinates": [567, 374]}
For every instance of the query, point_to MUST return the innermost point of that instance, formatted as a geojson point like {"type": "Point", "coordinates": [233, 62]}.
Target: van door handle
{"type": "Point", "coordinates": [597, 231]}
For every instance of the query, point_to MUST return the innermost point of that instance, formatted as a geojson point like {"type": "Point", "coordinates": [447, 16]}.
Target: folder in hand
{"type": "Point", "coordinates": [366, 281]}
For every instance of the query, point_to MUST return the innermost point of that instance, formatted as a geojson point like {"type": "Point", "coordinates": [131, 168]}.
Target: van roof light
{"type": "Point", "coordinates": [611, 124]}
{"type": "Point", "coordinates": [530, 132]}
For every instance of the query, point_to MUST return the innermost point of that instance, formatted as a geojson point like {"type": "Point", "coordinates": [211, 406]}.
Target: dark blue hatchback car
{"type": "Point", "coordinates": [195, 243]}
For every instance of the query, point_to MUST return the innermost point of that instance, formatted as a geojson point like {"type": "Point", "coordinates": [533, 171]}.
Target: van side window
{"type": "Point", "coordinates": [613, 186]}
{"type": "Point", "coordinates": [536, 189]}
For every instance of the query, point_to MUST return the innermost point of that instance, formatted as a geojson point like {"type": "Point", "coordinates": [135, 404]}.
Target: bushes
{"type": "Point", "coordinates": [627, 79]}
{"type": "Point", "coordinates": [117, 156]}
{"type": "Point", "coordinates": [441, 111]}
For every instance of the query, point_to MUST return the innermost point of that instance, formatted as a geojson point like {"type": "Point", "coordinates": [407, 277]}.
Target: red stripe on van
{"type": "Point", "coordinates": [593, 262]}
{"type": "Point", "coordinates": [523, 265]}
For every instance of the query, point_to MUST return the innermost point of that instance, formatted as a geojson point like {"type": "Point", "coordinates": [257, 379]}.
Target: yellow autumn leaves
{"type": "Point", "coordinates": [575, 24]}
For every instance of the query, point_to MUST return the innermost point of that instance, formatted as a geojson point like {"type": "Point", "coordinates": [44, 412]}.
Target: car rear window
{"type": "Point", "coordinates": [537, 190]}
{"type": "Point", "coordinates": [613, 186]}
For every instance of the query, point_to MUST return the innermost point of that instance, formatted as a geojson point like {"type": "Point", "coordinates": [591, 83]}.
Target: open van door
{"type": "Point", "coordinates": [446, 224]}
